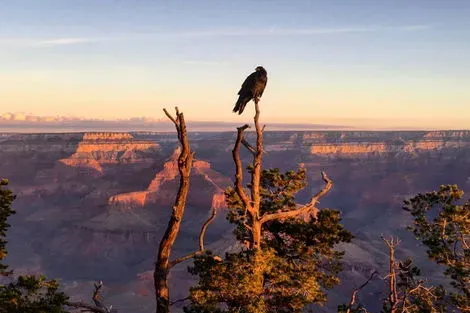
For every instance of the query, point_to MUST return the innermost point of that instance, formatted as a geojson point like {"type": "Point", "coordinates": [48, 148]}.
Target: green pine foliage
{"type": "Point", "coordinates": [441, 221]}
{"type": "Point", "coordinates": [442, 224]}
{"type": "Point", "coordinates": [32, 294]}
{"type": "Point", "coordinates": [417, 297]}
{"type": "Point", "coordinates": [6, 199]}
{"type": "Point", "coordinates": [296, 265]}
{"type": "Point", "coordinates": [24, 294]}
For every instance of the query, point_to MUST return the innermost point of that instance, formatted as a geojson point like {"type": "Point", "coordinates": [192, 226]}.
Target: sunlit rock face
{"type": "Point", "coordinates": [94, 205]}
{"type": "Point", "coordinates": [360, 145]}
{"type": "Point", "coordinates": [210, 187]}
{"type": "Point", "coordinates": [98, 149]}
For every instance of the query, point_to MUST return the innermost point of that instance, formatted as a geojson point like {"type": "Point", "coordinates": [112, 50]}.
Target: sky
{"type": "Point", "coordinates": [390, 63]}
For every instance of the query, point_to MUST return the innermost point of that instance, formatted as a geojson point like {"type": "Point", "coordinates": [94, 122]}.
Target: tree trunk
{"type": "Point", "coordinates": [163, 265]}
{"type": "Point", "coordinates": [392, 275]}
{"type": "Point", "coordinates": [256, 233]}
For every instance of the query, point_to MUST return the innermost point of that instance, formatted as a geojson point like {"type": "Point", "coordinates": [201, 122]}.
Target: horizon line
{"type": "Point", "coordinates": [20, 121]}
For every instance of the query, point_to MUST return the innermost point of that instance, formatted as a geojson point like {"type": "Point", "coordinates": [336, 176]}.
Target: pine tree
{"type": "Point", "coordinates": [24, 294]}
{"type": "Point", "coordinates": [288, 258]}
{"type": "Point", "coordinates": [6, 200]}
{"type": "Point", "coordinates": [441, 221]}
{"type": "Point", "coordinates": [442, 224]}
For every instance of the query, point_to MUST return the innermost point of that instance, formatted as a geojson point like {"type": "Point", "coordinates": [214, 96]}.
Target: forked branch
{"type": "Point", "coordinates": [305, 208]}
{"type": "Point", "coordinates": [392, 275]}
{"type": "Point", "coordinates": [249, 147]}
{"type": "Point", "coordinates": [252, 204]}
{"type": "Point", "coordinates": [99, 307]}
{"type": "Point", "coordinates": [175, 121]}
{"type": "Point", "coordinates": [163, 265]}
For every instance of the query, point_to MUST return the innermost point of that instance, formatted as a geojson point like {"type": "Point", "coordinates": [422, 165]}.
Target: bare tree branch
{"type": "Point", "coordinates": [201, 241]}
{"type": "Point", "coordinates": [163, 265]}
{"type": "Point", "coordinates": [239, 169]}
{"type": "Point", "coordinates": [184, 258]}
{"type": "Point", "coordinates": [204, 228]}
{"type": "Point", "coordinates": [99, 307]}
{"type": "Point", "coordinates": [304, 209]}
{"type": "Point", "coordinates": [257, 160]}
{"type": "Point", "coordinates": [179, 300]}
{"type": "Point", "coordinates": [247, 226]}
{"type": "Point", "coordinates": [249, 147]}
{"type": "Point", "coordinates": [356, 291]}
{"type": "Point", "coordinates": [96, 294]}
{"type": "Point", "coordinates": [171, 117]}
{"type": "Point", "coordinates": [87, 307]}
{"type": "Point", "coordinates": [392, 275]}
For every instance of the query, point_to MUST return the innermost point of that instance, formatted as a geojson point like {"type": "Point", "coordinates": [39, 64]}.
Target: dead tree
{"type": "Point", "coordinates": [252, 202]}
{"type": "Point", "coordinates": [163, 263]}
{"type": "Point", "coordinates": [98, 306]}
{"type": "Point", "coordinates": [352, 301]}
{"type": "Point", "coordinates": [401, 297]}
{"type": "Point", "coordinates": [392, 275]}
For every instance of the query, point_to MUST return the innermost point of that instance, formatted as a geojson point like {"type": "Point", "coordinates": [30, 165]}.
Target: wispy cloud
{"type": "Point", "coordinates": [63, 41]}
{"type": "Point", "coordinates": [295, 31]}
{"type": "Point", "coordinates": [265, 32]}
{"type": "Point", "coordinates": [247, 32]}
{"type": "Point", "coordinates": [201, 62]}
{"type": "Point", "coordinates": [415, 27]}
{"type": "Point", "coordinates": [50, 42]}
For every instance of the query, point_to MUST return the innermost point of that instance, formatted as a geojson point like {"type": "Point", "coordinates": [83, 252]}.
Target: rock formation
{"type": "Point", "coordinates": [97, 149]}
{"type": "Point", "coordinates": [211, 184]}
{"type": "Point", "coordinates": [93, 206]}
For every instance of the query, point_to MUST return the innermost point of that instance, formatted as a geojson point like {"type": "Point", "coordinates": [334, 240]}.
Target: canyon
{"type": "Point", "coordinates": [93, 206]}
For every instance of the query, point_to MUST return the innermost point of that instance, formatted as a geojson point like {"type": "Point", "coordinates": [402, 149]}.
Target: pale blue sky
{"type": "Point", "coordinates": [403, 63]}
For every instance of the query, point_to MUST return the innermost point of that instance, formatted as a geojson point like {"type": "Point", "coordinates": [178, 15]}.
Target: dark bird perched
{"type": "Point", "coordinates": [252, 88]}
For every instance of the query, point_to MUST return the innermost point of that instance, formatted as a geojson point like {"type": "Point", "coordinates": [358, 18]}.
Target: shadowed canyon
{"type": "Point", "coordinates": [93, 206]}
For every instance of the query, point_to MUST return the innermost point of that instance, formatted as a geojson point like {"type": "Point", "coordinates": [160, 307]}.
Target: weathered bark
{"type": "Point", "coordinates": [256, 229]}
{"type": "Point", "coordinates": [255, 180]}
{"type": "Point", "coordinates": [239, 169]}
{"type": "Point", "coordinates": [163, 265]}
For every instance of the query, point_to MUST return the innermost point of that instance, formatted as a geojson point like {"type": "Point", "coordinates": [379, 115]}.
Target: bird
{"type": "Point", "coordinates": [252, 89]}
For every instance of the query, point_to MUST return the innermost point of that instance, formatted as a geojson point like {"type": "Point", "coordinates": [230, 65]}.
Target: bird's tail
{"type": "Point", "coordinates": [240, 105]}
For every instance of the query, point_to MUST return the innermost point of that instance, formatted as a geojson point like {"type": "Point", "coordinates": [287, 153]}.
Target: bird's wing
{"type": "Point", "coordinates": [248, 84]}
{"type": "Point", "coordinates": [263, 85]}
{"type": "Point", "coordinates": [260, 84]}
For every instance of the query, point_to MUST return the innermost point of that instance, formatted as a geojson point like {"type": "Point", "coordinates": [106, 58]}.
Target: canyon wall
{"type": "Point", "coordinates": [94, 205]}
{"type": "Point", "coordinates": [209, 181]}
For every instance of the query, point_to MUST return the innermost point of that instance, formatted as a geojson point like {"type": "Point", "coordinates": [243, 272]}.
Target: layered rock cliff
{"type": "Point", "coordinates": [97, 149]}
{"type": "Point", "coordinates": [210, 183]}
{"type": "Point", "coordinates": [361, 145]}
